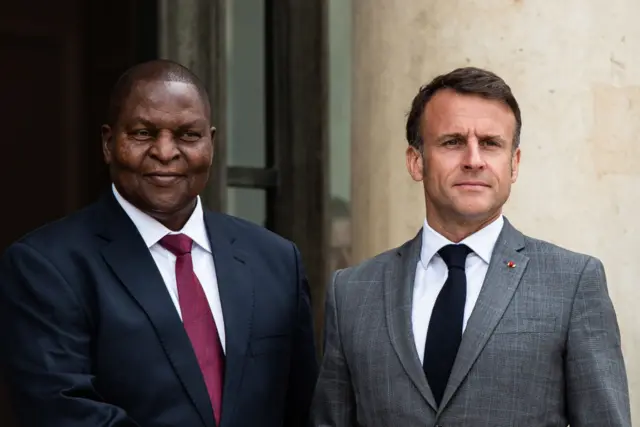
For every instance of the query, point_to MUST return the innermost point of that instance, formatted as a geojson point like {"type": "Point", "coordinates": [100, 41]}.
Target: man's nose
{"type": "Point", "coordinates": [473, 158]}
{"type": "Point", "coordinates": [165, 147]}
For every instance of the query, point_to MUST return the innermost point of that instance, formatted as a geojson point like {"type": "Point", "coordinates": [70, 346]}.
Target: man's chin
{"type": "Point", "coordinates": [477, 213]}
{"type": "Point", "coordinates": [168, 205]}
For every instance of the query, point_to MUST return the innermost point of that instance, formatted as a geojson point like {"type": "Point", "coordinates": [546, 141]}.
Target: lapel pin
{"type": "Point", "coordinates": [511, 264]}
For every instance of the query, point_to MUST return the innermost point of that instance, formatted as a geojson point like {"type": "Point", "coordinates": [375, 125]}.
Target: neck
{"type": "Point", "coordinates": [458, 229]}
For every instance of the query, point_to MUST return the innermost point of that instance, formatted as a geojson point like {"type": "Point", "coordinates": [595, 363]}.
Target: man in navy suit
{"type": "Point", "coordinates": [145, 309]}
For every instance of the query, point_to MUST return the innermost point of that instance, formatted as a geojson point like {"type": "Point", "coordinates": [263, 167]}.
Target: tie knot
{"type": "Point", "coordinates": [178, 244]}
{"type": "Point", "coordinates": [455, 256]}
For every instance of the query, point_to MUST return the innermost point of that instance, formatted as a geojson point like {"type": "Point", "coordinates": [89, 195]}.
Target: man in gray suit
{"type": "Point", "coordinates": [470, 323]}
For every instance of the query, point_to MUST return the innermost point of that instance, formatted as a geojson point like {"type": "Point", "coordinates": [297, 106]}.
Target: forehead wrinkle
{"type": "Point", "coordinates": [167, 121]}
{"type": "Point", "coordinates": [140, 110]}
{"type": "Point", "coordinates": [460, 123]}
{"type": "Point", "coordinates": [161, 112]}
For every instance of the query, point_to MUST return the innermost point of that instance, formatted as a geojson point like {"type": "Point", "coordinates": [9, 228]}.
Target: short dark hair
{"type": "Point", "coordinates": [155, 70]}
{"type": "Point", "coordinates": [467, 80]}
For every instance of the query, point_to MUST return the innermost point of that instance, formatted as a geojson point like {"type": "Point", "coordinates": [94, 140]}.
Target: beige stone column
{"type": "Point", "coordinates": [575, 69]}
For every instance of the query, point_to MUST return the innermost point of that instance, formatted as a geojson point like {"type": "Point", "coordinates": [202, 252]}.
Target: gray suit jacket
{"type": "Point", "coordinates": [541, 348]}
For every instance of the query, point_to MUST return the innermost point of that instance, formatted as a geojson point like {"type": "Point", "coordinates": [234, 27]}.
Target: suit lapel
{"type": "Point", "coordinates": [131, 261]}
{"type": "Point", "coordinates": [235, 285]}
{"type": "Point", "coordinates": [499, 286]}
{"type": "Point", "coordinates": [398, 293]}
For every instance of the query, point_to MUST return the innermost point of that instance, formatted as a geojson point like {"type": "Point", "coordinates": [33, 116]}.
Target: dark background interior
{"type": "Point", "coordinates": [59, 61]}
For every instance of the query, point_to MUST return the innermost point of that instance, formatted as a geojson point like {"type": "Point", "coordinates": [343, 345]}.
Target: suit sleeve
{"type": "Point", "coordinates": [596, 380]}
{"type": "Point", "coordinates": [334, 402]}
{"type": "Point", "coordinates": [46, 347]}
{"type": "Point", "coordinates": [304, 364]}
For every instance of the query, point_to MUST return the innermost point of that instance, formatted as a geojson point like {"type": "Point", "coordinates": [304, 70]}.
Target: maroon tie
{"type": "Point", "coordinates": [197, 319]}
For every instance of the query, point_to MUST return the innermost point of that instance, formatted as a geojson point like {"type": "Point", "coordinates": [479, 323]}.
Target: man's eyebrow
{"type": "Point", "coordinates": [455, 135]}
{"type": "Point", "coordinates": [191, 124]}
{"type": "Point", "coordinates": [147, 123]}
{"type": "Point", "coordinates": [458, 135]}
{"type": "Point", "coordinates": [492, 137]}
{"type": "Point", "coordinates": [143, 121]}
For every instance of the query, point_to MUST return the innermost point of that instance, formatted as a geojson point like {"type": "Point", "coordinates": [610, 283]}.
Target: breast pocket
{"type": "Point", "coordinates": [524, 325]}
{"type": "Point", "coordinates": [270, 344]}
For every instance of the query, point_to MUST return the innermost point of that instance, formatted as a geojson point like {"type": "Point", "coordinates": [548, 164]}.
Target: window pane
{"type": "Point", "coordinates": [248, 203]}
{"type": "Point", "coordinates": [339, 30]}
{"type": "Point", "coordinates": [245, 83]}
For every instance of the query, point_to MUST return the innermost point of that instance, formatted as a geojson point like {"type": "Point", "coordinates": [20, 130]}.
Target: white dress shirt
{"type": "Point", "coordinates": [432, 272]}
{"type": "Point", "coordinates": [152, 231]}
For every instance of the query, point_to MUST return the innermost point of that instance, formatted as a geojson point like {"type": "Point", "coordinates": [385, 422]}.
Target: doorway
{"type": "Point", "coordinates": [65, 57]}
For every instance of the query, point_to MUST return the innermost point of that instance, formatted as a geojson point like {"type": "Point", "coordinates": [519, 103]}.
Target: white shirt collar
{"type": "Point", "coordinates": [481, 242]}
{"type": "Point", "coordinates": [152, 231]}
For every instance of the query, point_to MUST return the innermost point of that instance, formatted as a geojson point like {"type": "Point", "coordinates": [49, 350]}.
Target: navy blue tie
{"type": "Point", "coordinates": [445, 327]}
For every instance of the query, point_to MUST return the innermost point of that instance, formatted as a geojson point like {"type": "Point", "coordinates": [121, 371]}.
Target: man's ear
{"type": "Point", "coordinates": [213, 143]}
{"type": "Point", "coordinates": [106, 135]}
{"type": "Point", "coordinates": [415, 163]}
{"type": "Point", "coordinates": [515, 165]}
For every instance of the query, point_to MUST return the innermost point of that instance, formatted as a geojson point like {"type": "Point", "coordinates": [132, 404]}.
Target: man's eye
{"type": "Point", "coordinates": [190, 136]}
{"type": "Point", "coordinates": [451, 142]}
{"type": "Point", "coordinates": [141, 134]}
{"type": "Point", "coordinates": [491, 143]}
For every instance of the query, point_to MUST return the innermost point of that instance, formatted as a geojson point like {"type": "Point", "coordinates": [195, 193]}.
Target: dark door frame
{"type": "Point", "coordinates": [296, 174]}
{"type": "Point", "coordinates": [296, 129]}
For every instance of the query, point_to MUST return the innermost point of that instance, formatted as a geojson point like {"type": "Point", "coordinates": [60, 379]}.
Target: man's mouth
{"type": "Point", "coordinates": [163, 179]}
{"type": "Point", "coordinates": [472, 185]}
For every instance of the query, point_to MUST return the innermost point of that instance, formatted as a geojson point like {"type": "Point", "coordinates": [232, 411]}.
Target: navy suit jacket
{"type": "Point", "coordinates": [90, 336]}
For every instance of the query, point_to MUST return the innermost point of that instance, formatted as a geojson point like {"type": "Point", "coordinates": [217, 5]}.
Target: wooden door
{"type": "Point", "coordinates": [59, 61]}
{"type": "Point", "coordinates": [40, 107]}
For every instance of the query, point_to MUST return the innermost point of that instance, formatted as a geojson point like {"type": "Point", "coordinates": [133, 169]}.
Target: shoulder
{"type": "Point", "coordinates": [249, 232]}
{"type": "Point", "coordinates": [61, 234]}
{"type": "Point", "coordinates": [273, 260]}
{"type": "Point", "coordinates": [254, 240]}
{"type": "Point", "coordinates": [567, 269]}
{"type": "Point", "coordinates": [557, 257]}
{"type": "Point", "coordinates": [369, 275]}
{"type": "Point", "coordinates": [368, 269]}
{"type": "Point", "coordinates": [350, 287]}
{"type": "Point", "coordinates": [53, 253]}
